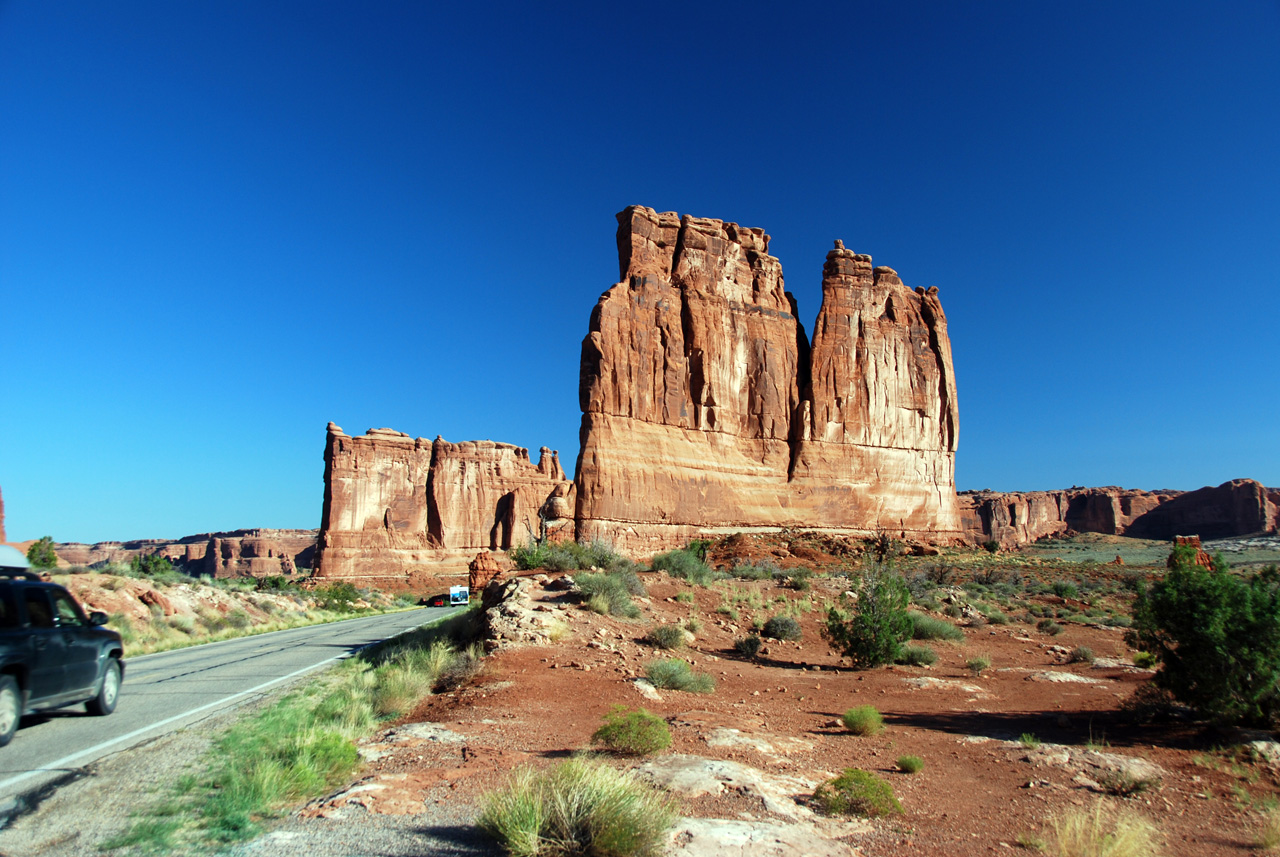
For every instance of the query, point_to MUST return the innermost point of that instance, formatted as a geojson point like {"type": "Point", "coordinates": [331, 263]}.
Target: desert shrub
{"type": "Point", "coordinates": [991, 546]}
{"type": "Point", "coordinates": [1081, 655]}
{"type": "Point", "coordinates": [1048, 626]}
{"type": "Point", "coordinates": [781, 628]}
{"type": "Point", "coordinates": [581, 806]}
{"type": "Point", "coordinates": [340, 597]}
{"type": "Point", "coordinates": [675, 674]}
{"type": "Point", "coordinates": [1144, 660]}
{"type": "Point", "coordinates": [995, 617]}
{"type": "Point", "coordinates": [863, 720]}
{"type": "Point", "coordinates": [798, 579]}
{"type": "Point", "coordinates": [1065, 589]}
{"type": "Point", "coordinates": [693, 624]}
{"type": "Point", "coordinates": [929, 628]}
{"type": "Point", "coordinates": [41, 553]}
{"type": "Point", "coordinates": [954, 611]}
{"type": "Point", "coordinates": [748, 647]}
{"type": "Point", "coordinates": [917, 656]}
{"type": "Point", "coordinates": [977, 663]}
{"type": "Point", "coordinates": [879, 622]}
{"type": "Point", "coordinates": [910, 764]}
{"type": "Point", "coordinates": [569, 556]}
{"type": "Point", "coordinates": [276, 583]}
{"type": "Point", "coordinates": [1216, 637]}
{"type": "Point", "coordinates": [764, 569]}
{"type": "Point", "coordinates": [1029, 741]}
{"type": "Point", "coordinates": [940, 574]}
{"type": "Point", "coordinates": [666, 636]}
{"type": "Point", "coordinates": [1268, 835]}
{"type": "Point", "coordinates": [685, 598]}
{"type": "Point", "coordinates": [1100, 832]}
{"type": "Point", "coordinates": [857, 792]}
{"type": "Point", "coordinates": [685, 565]}
{"type": "Point", "coordinates": [632, 733]}
{"type": "Point", "coordinates": [607, 593]}
{"type": "Point", "coordinates": [1124, 783]}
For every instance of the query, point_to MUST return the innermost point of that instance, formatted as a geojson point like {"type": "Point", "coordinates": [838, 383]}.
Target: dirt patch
{"type": "Point", "coordinates": [1003, 750]}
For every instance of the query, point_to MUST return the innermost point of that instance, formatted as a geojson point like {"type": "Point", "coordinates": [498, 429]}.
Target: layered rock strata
{"type": "Point", "coordinates": [239, 553]}
{"type": "Point", "coordinates": [399, 510]}
{"type": "Point", "coordinates": [1236, 508]}
{"type": "Point", "coordinates": [705, 409]}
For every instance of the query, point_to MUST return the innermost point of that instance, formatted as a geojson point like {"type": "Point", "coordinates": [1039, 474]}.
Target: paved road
{"type": "Point", "coordinates": [175, 689]}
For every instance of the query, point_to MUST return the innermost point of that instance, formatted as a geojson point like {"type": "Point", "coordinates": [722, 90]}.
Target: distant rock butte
{"type": "Point", "coordinates": [706, 410]}
{"type": "Point", "coordinates": [399, 510]}
{"type": "Point", "coordinates": [1235, 508]}
{"type": "Point", "coordinates": [239, 553]}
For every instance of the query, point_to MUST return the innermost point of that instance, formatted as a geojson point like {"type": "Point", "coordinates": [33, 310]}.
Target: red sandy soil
{"type": "Point", "coordinates": [977, 793]}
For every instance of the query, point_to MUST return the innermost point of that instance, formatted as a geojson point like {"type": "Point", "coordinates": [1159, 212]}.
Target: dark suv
{"type": "Point", "coordinates": [51, 655]}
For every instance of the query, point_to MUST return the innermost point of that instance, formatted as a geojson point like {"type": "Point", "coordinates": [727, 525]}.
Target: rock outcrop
{"type": "Point", "coordinates": [399, 510]}
{"type": "Point", "coordinates": [1236, 508]}
{"type": "Point", "coordinates": [705, 410]}
{"type": "Point", "coordinates": [239, 553]}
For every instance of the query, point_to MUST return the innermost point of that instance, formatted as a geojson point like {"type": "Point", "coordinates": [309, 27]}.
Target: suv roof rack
{"type": "Point", "coordinates": [20, 573]}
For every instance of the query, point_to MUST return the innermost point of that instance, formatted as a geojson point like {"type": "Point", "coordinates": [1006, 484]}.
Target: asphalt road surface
{"type": "Point", "coordinates": [174, 689]}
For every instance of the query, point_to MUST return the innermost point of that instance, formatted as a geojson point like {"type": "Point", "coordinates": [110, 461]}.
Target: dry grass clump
{"type": "Point", "coordinates": [1098, 831]}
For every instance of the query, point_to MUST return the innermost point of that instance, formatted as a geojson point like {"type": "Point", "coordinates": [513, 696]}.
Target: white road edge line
{"type": "Point", "coordinates": [97, 748]}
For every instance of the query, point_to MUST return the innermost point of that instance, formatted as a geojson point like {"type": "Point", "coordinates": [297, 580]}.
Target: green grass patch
{"type": "Point", "coordinates": [931, 628]}
{"type": "Point", "coordinates": [910, 764]}
{"type": "Point", "coordinates": [857, 792]}
{"type": "Point", "coordinates": [304, 743]}
{"type": "Point", "coordinates": [863, 720]}
{"type": "Point", "coordinates": [916, 656]}
{"type": "Point", "coordinates": [675, 674]}
{"type": "Point", "coordinates": [582, 806]}
{"type": "Point", "coordinates": [684, 564]}
{"type": "Point", "coordinates": [632, 733]}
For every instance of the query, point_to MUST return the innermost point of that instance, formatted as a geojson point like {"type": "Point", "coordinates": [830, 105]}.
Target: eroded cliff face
{"type": "Point", "coordinates": [705, 410]}
{"type": "Point", "coordinates": [399, 510]}
{"type": "Point", "coordinates": [238, 553]}
{"type": "Point", "coordinates": [1236, 508]}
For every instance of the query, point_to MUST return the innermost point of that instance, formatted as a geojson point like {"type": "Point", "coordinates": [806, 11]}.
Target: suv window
{"type": "Point", "coordinates": [38, 611]}
{"type": "Point", "coordinates": [8, 615]}
{"type": "Point", "coordinates": [68, 612]}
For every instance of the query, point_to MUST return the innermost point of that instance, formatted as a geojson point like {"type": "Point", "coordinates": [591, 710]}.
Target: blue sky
{"type": "Point", "coordinates": [224, 224]}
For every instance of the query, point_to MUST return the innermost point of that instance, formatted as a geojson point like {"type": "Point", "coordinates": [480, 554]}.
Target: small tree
{"type": "Point", "coordinates": [41, 553]}
{"type": "Point", "coordinates": [1216, 636]}
{"type": "Point", "coordinates": [151, 565]}
{"type": "Point", "coordinates": [873, 632]}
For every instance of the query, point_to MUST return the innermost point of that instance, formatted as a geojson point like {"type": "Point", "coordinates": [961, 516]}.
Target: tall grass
{"type": "Point", "coordinates": [582, 806]}
{"type": "Point", "coordinates": [304, 744]}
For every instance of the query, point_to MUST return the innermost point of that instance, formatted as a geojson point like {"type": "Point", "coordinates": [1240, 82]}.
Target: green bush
{"type": "Point", "coordinates": [1144, 660]}
{"type": "Point", "coordinates": [916, 656]}
{"type": "Point", "coordinates": [879, 623]}
{"type": "Point", "coordinates": [781, 628]}
{"type": "Point", "coordinates": [1065, 589]}
{"type": "Point", "coordinates": [857, 792]}
{"type": "Point", "coordinates": [764, 569]}
{"type": "Point", "coordinates": [991, 546]}
{"type": "Point", "coordinates": [1050, 627]}
{"type": "Point", "coordinates": [995, 617]}
{"type": "Point", "coordinates": [863, 720]}
{"type": "Point", "coordinates": [685, 565]}
{"type": "Point", "coordinates": [910, 764]}
{"type": "Point", "coordinates": [666, 636]}
{"type": "Point", "coordinates": [632, 733]}
{"type": "Point", "coordinates": [41, 553]}
{"type": "Point", "coordinates": [1216, 636]}
{"type": "Point", "coordinates": [339, 597]}
{"type": "Point", "coordinates": [582, 806]}
{"type": "Point", "coordinates": [798, 579]}
{"type": "Point", "coordinates": [569, 556]}
{"type": "Point", "coordinates": [608, 593]}
{"type": "Point", "coordinates": [929, 628]}
{"type": "Point", "coordinates": [978, 663]}
{"type": "Point", "coordinates": [1081, 655]}
{"type": "Point", "coordinates": [748, 647]}
{"type": "Point", "coordinates": [675, 674]}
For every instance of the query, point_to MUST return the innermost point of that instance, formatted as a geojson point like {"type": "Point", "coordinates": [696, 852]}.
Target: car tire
{"type": "Point", "coordinates": [109, 692]}
{"type": "Point", "coordinates": [10, 708]}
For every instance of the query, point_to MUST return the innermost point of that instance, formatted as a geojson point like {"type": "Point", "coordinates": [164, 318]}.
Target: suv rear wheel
{"type": "Point", "coordinates": [105, 701]}
{"type": "Point", "coordinates": [10, 708]}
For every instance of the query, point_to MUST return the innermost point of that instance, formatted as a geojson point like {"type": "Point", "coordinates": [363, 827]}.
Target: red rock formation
{"type": "Point", "coordinates": [399, 511]}
{"type": "Point", "coordinates": [240, 553]}
{"type": "Point", "coordinates": [1236, 508]}
{"type": "Point", "coordinates": [1202, 557]}
{"type": "Point", "coordinates": [698, 414]}
{"type": "Point", "coordinates": [483, 569]}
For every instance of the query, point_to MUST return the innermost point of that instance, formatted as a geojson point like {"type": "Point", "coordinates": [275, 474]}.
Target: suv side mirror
{"type": "Point", "coordinates": [97, 617]}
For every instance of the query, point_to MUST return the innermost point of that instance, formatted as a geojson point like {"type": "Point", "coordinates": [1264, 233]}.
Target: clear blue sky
{"type": "Point", "coordinates": [223, 224]}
